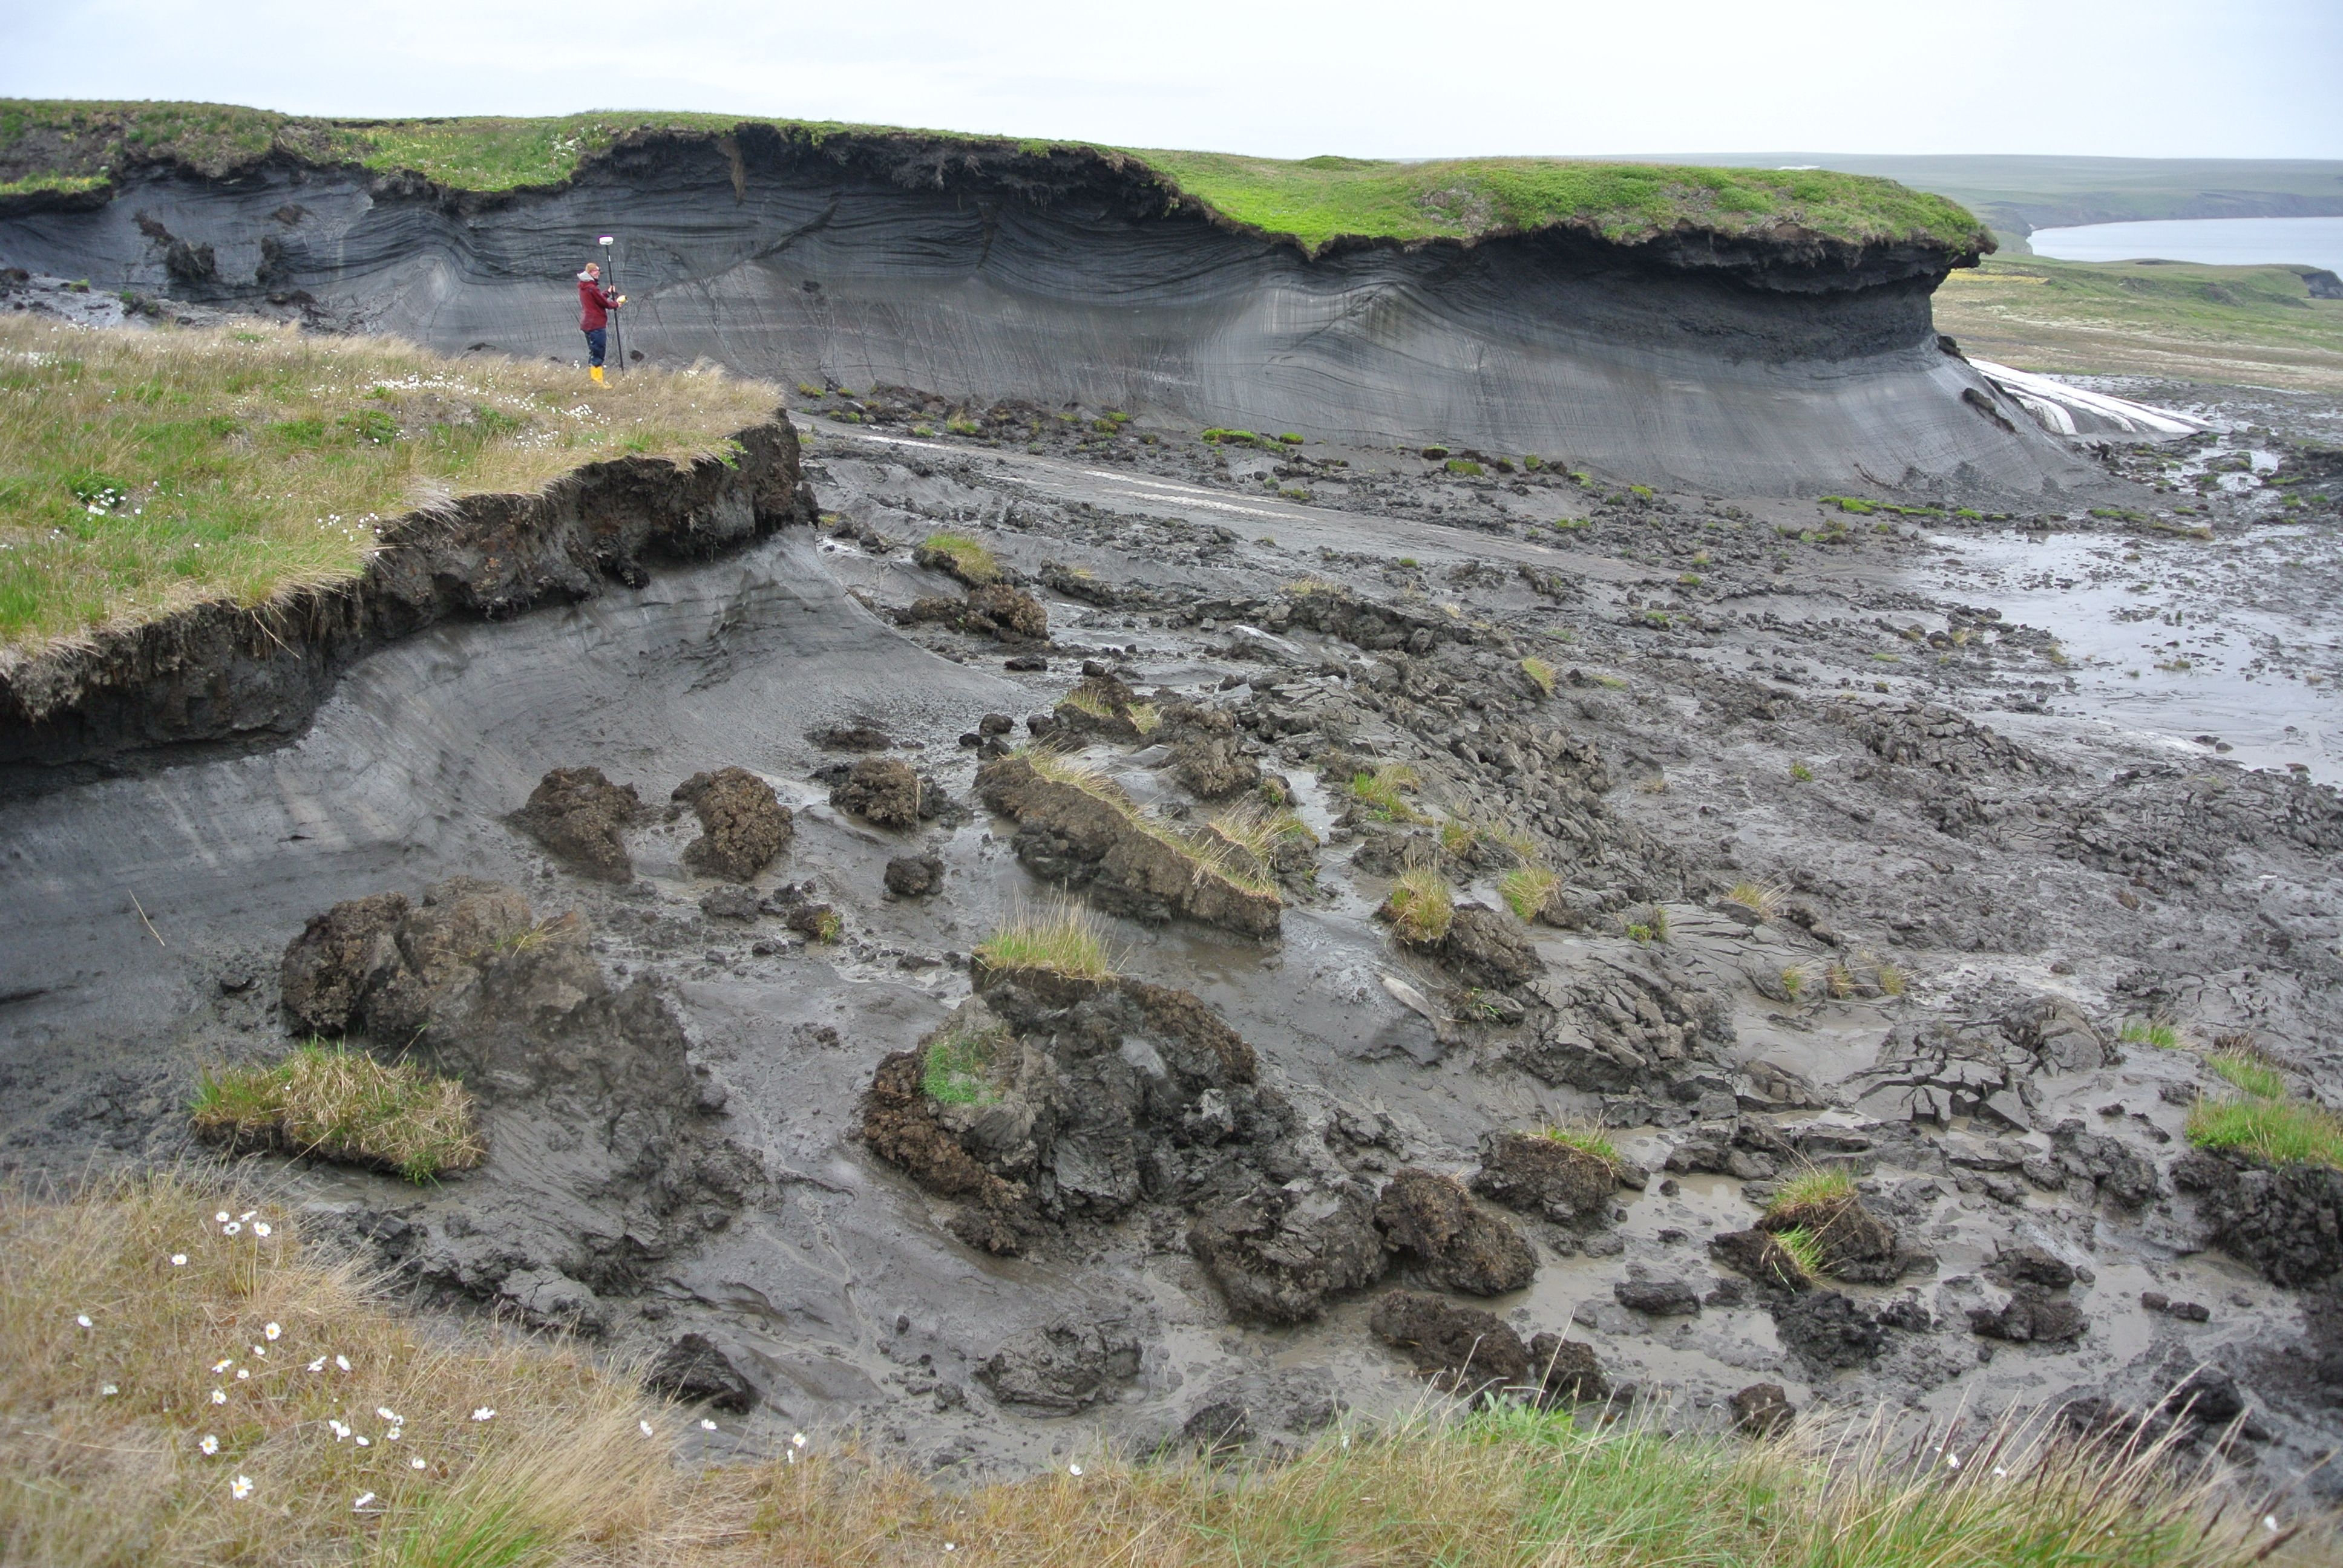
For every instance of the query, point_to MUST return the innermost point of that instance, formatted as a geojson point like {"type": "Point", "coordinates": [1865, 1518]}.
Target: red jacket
{"type": "Point", "coordinates": [595, 304]}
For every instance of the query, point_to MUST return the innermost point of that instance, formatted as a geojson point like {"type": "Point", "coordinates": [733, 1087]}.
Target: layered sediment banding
{"type": "Point", "coordinates": [1784, 364]}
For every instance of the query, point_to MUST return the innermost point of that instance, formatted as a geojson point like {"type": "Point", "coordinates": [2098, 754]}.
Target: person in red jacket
{"type": "Point", "coordinates": [595, 304]}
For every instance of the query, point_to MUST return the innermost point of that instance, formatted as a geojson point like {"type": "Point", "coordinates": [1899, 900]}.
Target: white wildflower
{"type": "Point", "coordinates": [109, 1389]}
{"type": "Point", "coordinates": [83, 1319]}
{"type": "Point", "coordinates": [706, 1425]}
{"type": "Point", "coordinates": [364, 1443]}
{"type": "Point", "coordinates": [178, 1260]}
{"type": "Point", "coordinates": [2270, 1521]}
{"type": "Point", "coordinates": [271, 1332]}
{"type": "Point", "coordinates": [484, 1413]}
{"type": "Point", "coordinates": [646, 1428]}
{"type": "Point", "coordinates": [387, 1413]}
{"type": "Point", "coordinates": [247, 1214]}
{"type": "Point", "coordinates": [343, 1362]}
{"type": "Point", "coordinates": [240, 1488]}
{"type": "Point", "coordinates": [219, 1396]}
{"type": "Point", "coordinates": [394, 1434]}
{"type": "Point", "coordinates": [365, 1499]}
{"type": "Point", "coordinates": [231, 1228]}
{"type": "Point", "coordinates": [221, 1218]}
{"type": "Point", "coordinates": [317, 1365]}
{"type": "Point", "coordinates": [1074, 1470]}
{"type": "Point", "coordinates": [339, 1430]}
{"type": "Point", "coordinates": [243, 1374]}
{"type": "Point", "coordinates": [797, 1439]}
{"type": "Point", "coordinates": [210, 1444]}
{"type": "Point", "coordinates": [415, 1465]}
{"type": "Point", "coordinates": [260, 1228]}
{"type": "Point", "coordinates": [222, 1365]}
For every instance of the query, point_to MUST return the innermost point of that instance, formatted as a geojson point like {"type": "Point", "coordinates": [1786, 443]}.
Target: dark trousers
{"type": "Point", "coordinates": [598, 340]}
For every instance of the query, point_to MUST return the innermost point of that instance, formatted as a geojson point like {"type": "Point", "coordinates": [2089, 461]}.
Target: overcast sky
{"type": "Point", "coordinates": [2250, 78]}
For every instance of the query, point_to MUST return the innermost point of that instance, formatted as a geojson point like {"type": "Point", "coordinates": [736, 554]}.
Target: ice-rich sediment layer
{"type": "Point", "coordinates": [1787, 364]}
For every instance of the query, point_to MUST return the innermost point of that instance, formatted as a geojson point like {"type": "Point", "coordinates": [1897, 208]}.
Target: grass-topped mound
{"type": "Point", "coordinates": [52, 144]}
{"type": "Point", "coordinates": [128, 1313]}
{"type": "Point", "coordinates": [343, 1105]}
{"type": "Point", "coordinates": [147, 472]}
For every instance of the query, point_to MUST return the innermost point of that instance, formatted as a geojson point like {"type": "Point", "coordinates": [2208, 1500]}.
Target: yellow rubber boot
{"type": "Point", "coordinates": [595, 372]}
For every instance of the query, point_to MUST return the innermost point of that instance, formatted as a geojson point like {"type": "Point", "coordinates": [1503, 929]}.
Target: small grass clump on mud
{"type": "Point", "coordinates": [1824, 1189]}
{"type": "Point", "coordinates": [1541, 673]}
{"type": "Point", "coordinates": [1805, 1248]}
{"type": "Point", "coordinates": [957, 1067]}
{"type": "Point", "coordinates": [1063, 941]}
{"type": "Point", "coordinates": [1384, 792]}
{"type": "Point", "coordinates": [1419, 908]}
{"type": "Point", "coordinates": [2275, 1132]}
{"type": "Point", "coordinates": [144, 472]}
{"type": "Point", "coordinates": [2245, 1070]}
{"type": "Point", "coordinates": [970, 561]}
{"type": "Point", "coordinates": [2161, 1033]}
{"type": "Point", "coordinates": [1764, 898]}
{"type": "Point", "coordinates": [1528, 889]}
{"type": "Point", "coordinates": [1591, 1141]}
{"type": "Point", "coordinates": [1208, 854]}
{"type": "Point", "coordinates": [344, 1105]}
{"type": "Point", "coordinates": [120, 1303]}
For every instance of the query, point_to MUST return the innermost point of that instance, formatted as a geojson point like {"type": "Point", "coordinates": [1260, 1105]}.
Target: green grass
{"type": "Point", "coordinates": [43, 144]}
{"type": "Point", "coordinates": [1585, 1140]}
{"type": "Point", "coordinates": [142, 473]}
{"type": "Point", "coordinates": [2191, 321]}
{"type": "Point", "coordinates": [957, 1068]}
{"type": "Point", "coordinates": [1805, 1248]}
{"type": "Point", "coordinates": [344, 1105]}
{"type": "Point", "coordinates": [1764, 898]}
{"type": "Point", "coordinates": [1384, 792]}
{"type": "Point", "coordinates": [1208, 853]}
{"type": "Point", "coordinates": [2276, 1131]}
{"type": "Point", "coordinates": [970, 561]}
{"type": "Point", "coordinates": [2249, 1073]}
{"type": "Point", "coordinates": [2161, 1033]}
{"type": "Point", "coordinates": [1541, 673]}
{"type": "Point", "coordinates": [1823, 1187]}
{"type": "Point", "coordinates": [1063, 941]}
{"type": "Point", "coordinates": [1528, 889]}
{"type": "Point", "coordinates": [1420, 906]}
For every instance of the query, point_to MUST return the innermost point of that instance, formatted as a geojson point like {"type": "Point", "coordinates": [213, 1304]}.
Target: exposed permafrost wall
{"type": "Point", "coordinates": [1786, 365]}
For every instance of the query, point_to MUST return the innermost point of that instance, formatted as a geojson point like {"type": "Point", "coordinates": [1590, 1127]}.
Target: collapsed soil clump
{"type": "Point", "coordinates": [580, 817]}
{"type": "Point", "coordinates": [744, 827]}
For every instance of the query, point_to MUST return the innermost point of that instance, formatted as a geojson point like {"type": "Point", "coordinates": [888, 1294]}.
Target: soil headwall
{"type": "Point", "coordinates": [1784, 364]}
{"type": "Point", "coordinates": [221, 672]}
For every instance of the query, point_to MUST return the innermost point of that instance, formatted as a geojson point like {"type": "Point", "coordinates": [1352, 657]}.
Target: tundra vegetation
{"type": "Point", "coordinates": [188, 1383]}
{"type": "Point", "coordinates": [144, 472]}
{"type": "Point", "coordinates": [56, 144]}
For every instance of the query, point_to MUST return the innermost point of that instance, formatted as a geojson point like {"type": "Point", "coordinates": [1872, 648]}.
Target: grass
{"type": "Point", "coordinates": [970, 561]}
{"type": "Point", "coordinates": [1805, 1248]}
{"type": "Point", "coordinates": [47, 144]}
{"type": "Point", "coordinates": [144, 472]}
{"type": "Point", "coordinates": [1585, 1140]}
{"type": "Point", "coordinates": [2250, 1073]}
{"type": "Point", "coordinates": [343, 1105]}
{"type": "Point", "coordinates": [957, 1068]}
{"type": "Point", "coordinates": [1541, 673]}
{"type": "Point", "coordinates": [1419, 908]}
{"type": "Point", "coordinates": [1820, 1187]}
{"type": "Point", "coordinates": [2276, 1131]}
{"type": "Point", "coordinates": [1528, 889]}
{"type": "Point", "coordinates": [1801, 774]}
{"type": "Point", "coordinates": [1763, 898]}
{"type": "Point", "coordinates": [1385, 791]}
{"type": "Point", "coordinates": [2161, 1033]}
{"type": "Point", "coordinates": [1258, 829]}
{"type": "Point", "coordinates": [1064, 940]}
{"type": "Point", "coordinates": [2192, 322]}
{"type": "Point", "coordinates": [102, 1464]}
{"type": "Point", "coordinates": [1208, 854]}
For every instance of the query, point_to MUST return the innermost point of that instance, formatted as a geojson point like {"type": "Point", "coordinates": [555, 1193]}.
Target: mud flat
{"type": "Point", "coordinates": [1850, 871]}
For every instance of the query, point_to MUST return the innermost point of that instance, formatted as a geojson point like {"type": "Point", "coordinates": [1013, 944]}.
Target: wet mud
{"type": "Point", "coordinates": [1858, 862]}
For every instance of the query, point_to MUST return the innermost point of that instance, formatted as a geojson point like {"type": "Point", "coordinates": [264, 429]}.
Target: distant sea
{"type": "Point", "coordinates": [2230, 241]}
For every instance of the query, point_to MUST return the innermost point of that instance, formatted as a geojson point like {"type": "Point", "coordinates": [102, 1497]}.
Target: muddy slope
{"type": "Point", "coordinates": [221, 673]}
{"type": "Point", "coordinates": [1787, 365]}
{"type": "Point", "coordinates": [1964, 890]}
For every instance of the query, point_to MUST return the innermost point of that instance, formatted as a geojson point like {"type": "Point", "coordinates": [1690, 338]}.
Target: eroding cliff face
{"type": "Point", "coordinates": [1784, 363]}
{"type": "Point", "coordinates": [220, 672]}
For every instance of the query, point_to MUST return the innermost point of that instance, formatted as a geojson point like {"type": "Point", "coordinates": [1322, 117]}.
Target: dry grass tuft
{"type": "Point", "coordinates": [970, 561]}
{"type": "Point", "coordinates": [1540, 672]}
{"type": "Point", "coordinates": [1419, 908]}
{"type": "Point", "coordinates": [1214, 853]}
{"type": "Point", "coordinates": [1384, 792]}
{"type": "Point", "coordinates": [1528, 889]}
{"type": "Point", "coordinates": [344, 1105]}
{"type": "Point", "coordinates": [1063, 940]}
{"type": "Point", "coordinates": [1765, 898]}
{"type": "Point", "coordinates": [144, 472]}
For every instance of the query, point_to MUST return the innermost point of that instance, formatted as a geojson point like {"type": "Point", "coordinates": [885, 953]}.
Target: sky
{"type": "Point", "coordinates": [2161, 78]}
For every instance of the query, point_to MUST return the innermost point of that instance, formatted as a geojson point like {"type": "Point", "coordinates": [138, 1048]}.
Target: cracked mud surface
{"type": "Point", "coordinates": [1984, 849]}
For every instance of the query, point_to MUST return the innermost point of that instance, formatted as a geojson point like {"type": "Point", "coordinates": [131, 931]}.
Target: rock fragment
{"type": "Point", "coordinates": [1062, 1367]}
{"type": "Point", "coordinates": [915, 875]}
{"type": "Point", "coordinates": [882, 791]}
